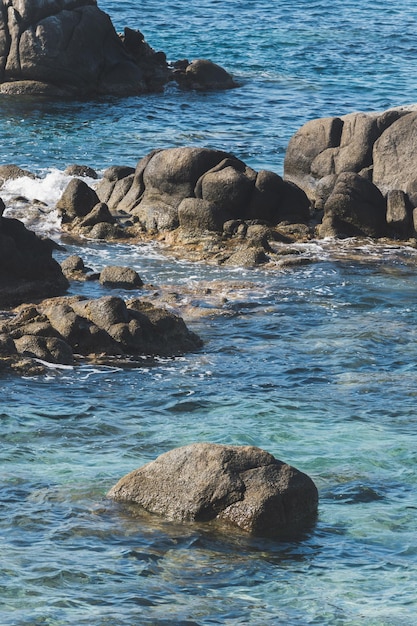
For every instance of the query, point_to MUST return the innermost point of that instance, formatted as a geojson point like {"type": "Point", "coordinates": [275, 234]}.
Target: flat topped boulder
{"type": "Point", "coordinates": [241, 486]}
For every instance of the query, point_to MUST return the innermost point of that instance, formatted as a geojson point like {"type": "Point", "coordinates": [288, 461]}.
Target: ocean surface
{"type": "Point", "coordinates": [315, 363]}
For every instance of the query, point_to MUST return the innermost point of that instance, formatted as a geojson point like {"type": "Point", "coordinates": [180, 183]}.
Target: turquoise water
{"type": "Point", "coordinates": [317, 364]}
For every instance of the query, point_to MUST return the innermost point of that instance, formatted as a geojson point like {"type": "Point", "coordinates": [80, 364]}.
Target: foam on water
{"type": "Point", "coordinates": [33, 200]}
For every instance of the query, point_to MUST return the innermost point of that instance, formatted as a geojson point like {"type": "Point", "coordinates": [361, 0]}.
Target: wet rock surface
{"type": "Point", "coordinates": [27, 268]}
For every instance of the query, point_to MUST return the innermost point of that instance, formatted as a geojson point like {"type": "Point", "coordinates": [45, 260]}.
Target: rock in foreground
{"type": "Point", "coordinates": [242, 486]}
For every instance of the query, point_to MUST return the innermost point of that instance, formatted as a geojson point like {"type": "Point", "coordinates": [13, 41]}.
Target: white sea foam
{"type": "Point", "coordinates": [33, 201]}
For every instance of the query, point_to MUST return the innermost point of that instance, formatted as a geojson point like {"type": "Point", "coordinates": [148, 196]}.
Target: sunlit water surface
{"type": "Point", "coordinates": [317, 364]}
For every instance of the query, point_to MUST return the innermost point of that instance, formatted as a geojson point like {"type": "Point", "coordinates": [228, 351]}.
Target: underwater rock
{"type": "Point", "coordinates": [240, 486]}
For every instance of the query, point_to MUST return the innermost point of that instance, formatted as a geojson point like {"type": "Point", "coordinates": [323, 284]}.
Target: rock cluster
{"type": "Point", "coordinates": [190, 196]}
{"type": "Point", "coordinates": [360, 171]}
{"type": "Point", "coordinates": [240, 486]}
{"type": "Point", "coordinates": [61, 330]}
{"type": "Point", "coordinates": [70, 48]}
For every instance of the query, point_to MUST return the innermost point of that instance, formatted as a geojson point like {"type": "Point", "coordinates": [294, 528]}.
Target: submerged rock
{"type": "Point", "coordinates": [240, 486]}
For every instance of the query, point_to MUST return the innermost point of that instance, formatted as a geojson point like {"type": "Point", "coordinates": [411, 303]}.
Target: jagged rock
{"type": "Point", "coordinates": [236, 486]}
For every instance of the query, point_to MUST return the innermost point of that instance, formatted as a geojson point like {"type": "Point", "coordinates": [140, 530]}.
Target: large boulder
{"type": "Point", "coordinates": [27, 268]}
{"type": "Point", "coordinates": [70, 47]}
{"type": "Point", "coordinates": [355, 208]}
{"type": "Point", "coordinates": [241, 486]}
{"type": "Point", "coordinates": [201, 189]}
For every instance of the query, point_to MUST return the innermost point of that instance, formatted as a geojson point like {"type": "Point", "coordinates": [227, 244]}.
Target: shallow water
{"type": "Point", "coordinates": [316, 364]}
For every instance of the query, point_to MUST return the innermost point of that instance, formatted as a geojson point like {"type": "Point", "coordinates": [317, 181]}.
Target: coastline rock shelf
{"type": "Point", "coordinates": [234, 486]}
{"type": "Point", "coordinates": [69, 48]}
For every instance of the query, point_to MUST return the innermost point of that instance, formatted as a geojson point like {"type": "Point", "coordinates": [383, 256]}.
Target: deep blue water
{"type": "Point", "coordinates": [317, 364]}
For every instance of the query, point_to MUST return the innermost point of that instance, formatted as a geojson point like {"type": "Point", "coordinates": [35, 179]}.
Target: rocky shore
{"type": "Point", "coordinates": [345, 177]}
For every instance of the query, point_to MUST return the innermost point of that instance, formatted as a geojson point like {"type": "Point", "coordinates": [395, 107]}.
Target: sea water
{"type": "Point", "coordinates": [316, 363]}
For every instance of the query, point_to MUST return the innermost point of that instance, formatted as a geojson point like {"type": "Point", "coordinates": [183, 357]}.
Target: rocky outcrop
{"type": "Point", "coordinates": [189, 197]}
{"type": "Point", "coordinates": [240, 486]}
{"type": "Point", "coordinates": [70, 48]}
{"type": "Point", "coordinates": [67, 48]}
{"type": "Point", "coordinates": [63, 330]}
{"type": "Point", "coordinates": [199, 189]}
{"type": "Point", "coordinates": [27, 268]}
{"type": "Point", "coordinates": [326, 156]}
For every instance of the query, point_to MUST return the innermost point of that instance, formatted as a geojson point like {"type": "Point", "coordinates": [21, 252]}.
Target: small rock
{"type": "Point", "coordinates": [122, 277]}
